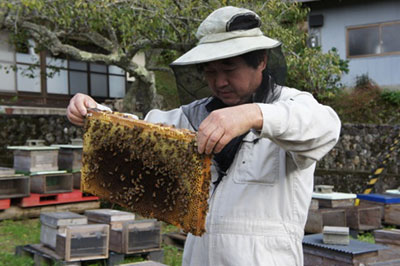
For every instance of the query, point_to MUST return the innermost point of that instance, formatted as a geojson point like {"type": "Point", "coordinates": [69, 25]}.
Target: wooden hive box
{"type": "Point", "coordinates": [317, 219]}
{"type": "Point", "coordinates": [76, 176]}
{"type": "Point", "coordinates": [357, 253]}
{"type": "Point", "coordinates": [51, 182]}
{"type": "Point", "coordinates": [7, 171]}
{"type": "Point", "coordinates": [70, 157]}
{"type": "Point", "coordinates": [83, 242]}
{"type": "Point", "coordinates": [53, 223]}
{"type": "Point", "coordinates": [29, 159]}
{"type": "Point", "coordinates": [334, 199]}
{"type": "Point", "coordinates": [153, 170]}
{"type": "Point", "coordinates": [136, 236]}
{"type": "Point", "coordinates": [14, 186]}
{"type": "Point", "coordinates": [389, 203]}
{"type": "Point", "coordinates": [364, 218]}
{"type": "Point", "coordinates": [387, 237]}
{"type": "Point", "coordinates": [114, 218]}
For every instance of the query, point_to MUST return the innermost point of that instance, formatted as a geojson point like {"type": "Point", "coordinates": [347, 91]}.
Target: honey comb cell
{"type": "Point", "coordinates": [151, 169]}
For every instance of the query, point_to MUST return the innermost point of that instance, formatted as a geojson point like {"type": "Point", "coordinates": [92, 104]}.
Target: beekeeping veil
{"type": "Point", "coordinates": [228, 32]}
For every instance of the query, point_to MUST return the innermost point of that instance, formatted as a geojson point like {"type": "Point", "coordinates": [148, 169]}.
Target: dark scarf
{"type": "Point", "coordinates": [225, 157]}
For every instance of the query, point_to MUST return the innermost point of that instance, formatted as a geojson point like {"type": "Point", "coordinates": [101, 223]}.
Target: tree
{"type": "Point", "coordinates": [113, 31]}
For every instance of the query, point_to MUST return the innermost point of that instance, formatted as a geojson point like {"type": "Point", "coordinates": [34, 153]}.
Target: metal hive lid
{"type": "Point", "coordinates": [355, 247]}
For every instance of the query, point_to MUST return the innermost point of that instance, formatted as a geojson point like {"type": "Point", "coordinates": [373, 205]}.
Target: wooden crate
{"type": "Point", "coordinates": [114, 218]}
{"type": "Point", "coordinates": [334, 199]}
{"type": "Point", "coordinates": [6, 171]}
{"type": "Point", "coordinates": [53, 223]}
{"type": "Point", "coordinates": [364, 218]}
{"type": "Point", "coordinates": [317, 219]}
{"type": "Point", "coordinates": [35, 159]}
{"type": "Point", "coordinates": [83, 242]}
{"type": "Point", "coordinates": [389, 203]}
{"type": "Point", "coordinates": [52, 183]}
{"type": "Point", "coordinates": [70, 157]}
{"type": "Point", "coordinates": [314, 205]}
{"type": "Point", "coordinates": [135, 236]}
{"type": "Point", "coordinates": [357, 253]}
{"type": "Point", "coordinates": [76, 176]}
{"type": "Point", "coordinates": [14, 186]}
{"type": "Point", "coordinates": [387, 237]}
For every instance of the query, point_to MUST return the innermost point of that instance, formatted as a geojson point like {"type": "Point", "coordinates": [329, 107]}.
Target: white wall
{"type": "Point", "coordinates": [385, 70]}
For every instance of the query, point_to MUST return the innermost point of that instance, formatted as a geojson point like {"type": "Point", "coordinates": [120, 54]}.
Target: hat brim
{"type": "Point", "coordinates": [207, 52]}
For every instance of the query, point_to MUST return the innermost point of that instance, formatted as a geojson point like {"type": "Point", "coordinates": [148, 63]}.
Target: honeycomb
{"type": "Point", "coordinates": [151, 169]}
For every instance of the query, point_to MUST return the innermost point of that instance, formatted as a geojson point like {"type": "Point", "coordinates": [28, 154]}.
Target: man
{"type": "Point", "coordinates": [265, 138]}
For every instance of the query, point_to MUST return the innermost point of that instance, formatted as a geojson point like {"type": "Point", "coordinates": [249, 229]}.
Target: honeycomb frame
{"type": "Point", "coordinates": [151, 169]}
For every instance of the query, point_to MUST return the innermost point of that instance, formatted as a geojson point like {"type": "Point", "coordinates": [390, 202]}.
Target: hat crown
{"type": "Point", "coordinates": [227, 19]}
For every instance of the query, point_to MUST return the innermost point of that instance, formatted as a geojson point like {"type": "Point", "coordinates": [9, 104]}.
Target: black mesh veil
{"type": "Point", "coordinates": [192, 86]}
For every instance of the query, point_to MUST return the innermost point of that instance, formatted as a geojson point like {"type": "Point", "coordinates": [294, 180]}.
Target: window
{"type": "Point", "coordinates": [22, 74]}
{"type": "Point", "coordinates": [373, 40]}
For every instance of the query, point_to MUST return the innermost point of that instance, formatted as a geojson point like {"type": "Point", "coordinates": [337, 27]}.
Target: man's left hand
{"type": "Point", "coordinates": [222, 125]}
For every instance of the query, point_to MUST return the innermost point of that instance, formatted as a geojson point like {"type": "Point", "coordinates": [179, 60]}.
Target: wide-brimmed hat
{"type": "Point", "coordinates": [226, 32]}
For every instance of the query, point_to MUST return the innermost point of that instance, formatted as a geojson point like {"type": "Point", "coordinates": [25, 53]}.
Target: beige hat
{"type": "Point", "coordinates": [227, 32]}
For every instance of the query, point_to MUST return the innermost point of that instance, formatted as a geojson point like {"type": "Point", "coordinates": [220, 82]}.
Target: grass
{"type": "Point", "coordinates": [24, 232]}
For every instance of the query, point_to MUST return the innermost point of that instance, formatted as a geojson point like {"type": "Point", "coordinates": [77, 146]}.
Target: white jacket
{"type": "Point", "coordinates": [257, 213]}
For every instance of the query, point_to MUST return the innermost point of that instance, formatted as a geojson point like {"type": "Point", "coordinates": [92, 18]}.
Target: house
{"type": "Point", "coordinates": [365, 32]}
{"type": "Point", "coordinates": [43, 84]}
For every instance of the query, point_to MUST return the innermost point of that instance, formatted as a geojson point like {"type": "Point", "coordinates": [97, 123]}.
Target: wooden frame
{"type": "Point", "coordinates": [379, 25]}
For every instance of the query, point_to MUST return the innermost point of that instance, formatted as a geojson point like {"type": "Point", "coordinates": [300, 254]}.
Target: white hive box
{"type": "Point", "coordinates": [54, 223]}
{"type": "Point", "coordinates": [114, 218]}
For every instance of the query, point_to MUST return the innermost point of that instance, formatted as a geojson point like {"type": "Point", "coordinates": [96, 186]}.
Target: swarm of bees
{"type": "Point", "coordinates": [152, 169]}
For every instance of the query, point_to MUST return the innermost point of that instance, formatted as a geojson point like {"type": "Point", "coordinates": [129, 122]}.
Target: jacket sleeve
{"type": "Point", "coordinates": [174, 117]}
{"type": "Point", "coordinates": [301, 126]}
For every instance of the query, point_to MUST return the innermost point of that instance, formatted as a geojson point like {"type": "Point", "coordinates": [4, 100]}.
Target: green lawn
{"type": "Point", "coordinates": [16, 233]}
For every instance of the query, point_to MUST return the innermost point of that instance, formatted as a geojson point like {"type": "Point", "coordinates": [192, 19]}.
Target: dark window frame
{"type": "Point", "coordinates": [44, 98]}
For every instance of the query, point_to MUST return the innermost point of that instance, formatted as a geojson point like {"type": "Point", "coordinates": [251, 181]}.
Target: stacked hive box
{"type": "Point", "coordinates": [13, 185]}
{"type": "Point", "coordinates": [127, 235]}
{"type": "Point", "coordinates": [41, 163]}
{"type": "Point", "coordinates": [337, 209]}
{"type": "Point", "coordinates": [72, 238]}
{"type": "Point", "coordinates": [70, 159]}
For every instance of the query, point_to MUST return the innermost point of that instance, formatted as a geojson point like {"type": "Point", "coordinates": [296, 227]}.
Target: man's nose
{"type": "Point", "coordinates": [221, 80]}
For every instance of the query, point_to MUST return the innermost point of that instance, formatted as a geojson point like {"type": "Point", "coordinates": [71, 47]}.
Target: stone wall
{"type": "Point", "coordinates": [346, 167]}
{"type": "Point", "coordinates": [16, 129]}
{"type": "Point", "coordinates": [360, 149]}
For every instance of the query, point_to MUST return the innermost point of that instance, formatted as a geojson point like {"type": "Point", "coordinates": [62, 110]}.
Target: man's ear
{"type": "Point", "coordinates": [263, 63]}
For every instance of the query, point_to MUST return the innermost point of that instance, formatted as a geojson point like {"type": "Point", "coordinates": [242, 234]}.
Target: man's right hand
{"type": "Point", "coordinates": [77, 108]}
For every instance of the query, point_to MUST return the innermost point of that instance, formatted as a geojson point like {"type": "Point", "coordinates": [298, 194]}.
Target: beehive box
{"type": "Point", "coordinates": [51, 182]}
{"type": "Point", "coordinates": [114, 218]}
{"type": "Point", "coordinates": [387, 237]}
{"type": "Point", "coordinates": [389, 204]}
{"type": "Point", "coordinates": [153, 170]}
{"type": "Point", "coordinates": [136, 236]}
{"type": "Point", "coordinates": [76, 176]}
{"type": "Point", "coordinates": [30, 159]}
{"type": "Point", "coordinates": [334, 199]}
{"type": "Point", "coordinates": [83, 242]}
{"type": "Point", "coordinates": [7, 171]}
{"type": "Point", "coordinates": [53, 223]}
{"type": "Point", "coordinates": [364, 218]}
{"type": "Point", "coordinates": [70, 157]}
{"type": "Point", "coordinates": [317, 219]}
{"type": "Point", "coordinates": [14, 186]}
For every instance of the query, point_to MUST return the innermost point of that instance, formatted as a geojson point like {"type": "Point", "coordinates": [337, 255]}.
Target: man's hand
{"type": "Point", "coordinates": [77, 108]}
{"type": "Point", "coordinates": [222, 125]}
